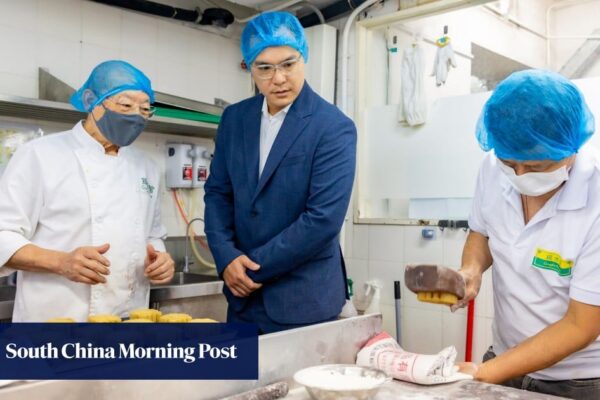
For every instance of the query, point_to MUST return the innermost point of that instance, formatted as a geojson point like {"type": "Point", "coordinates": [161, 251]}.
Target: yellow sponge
{"type": "Point", "coordinates": [104, 318]}
{"type": "Point", "coordinates": [61, 320]}
{"type": "Point", "coordinates": [139, 320]}
{"type": "Point", "coordinates": [145, 313]}
{"type": "Point", "coordinates": [175, 317]}
{"type": "Point", "coordinates": [437, 297]}
{"type": "Point", "coordinates": [204, 320]}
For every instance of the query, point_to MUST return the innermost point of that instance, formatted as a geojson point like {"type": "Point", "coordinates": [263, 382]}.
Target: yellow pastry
{"type": "Point", "coordinates": [204, 320]}
{"type": "Point", "coordinates": [104, 318]}
{"type": "Point", "coordinates": [145, 313]}
{"type": "Point", "coordinates": [175, 317]}
{"type": "Point", "coordinates": [139, 320]}
{"type": "Point", "coordinates": [61, 319]}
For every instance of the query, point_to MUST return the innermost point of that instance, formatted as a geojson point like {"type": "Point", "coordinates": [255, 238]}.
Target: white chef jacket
{"type": "Point", "coordinates": [540, 266]}
{"type": "Point", "coordinates": [61, 192]}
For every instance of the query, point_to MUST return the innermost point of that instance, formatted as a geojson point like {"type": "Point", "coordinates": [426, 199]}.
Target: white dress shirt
{"type": "Point", "coordinates": [269, 128]}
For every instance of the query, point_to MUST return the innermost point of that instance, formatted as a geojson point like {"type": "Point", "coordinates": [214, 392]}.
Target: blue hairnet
{"type": "Point", "coordinates": [270, 29]}
{"type": "Point", "coordinates": [535, 115]}
{"type": "Point", "coordinates": [108, 79]}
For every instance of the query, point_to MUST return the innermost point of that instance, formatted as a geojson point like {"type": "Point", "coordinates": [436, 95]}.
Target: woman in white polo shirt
{"type": "Point", "coordinates": [536, 221]}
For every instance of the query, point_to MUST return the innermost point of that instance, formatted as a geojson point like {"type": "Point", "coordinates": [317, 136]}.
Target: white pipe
{"type": "Point", "coordinates": [314, 8]}
{"type": "Point", "coordinates": [515, 21]}
{"type": "Point", "coordinates": [276, 8]}
{"type": "Point", "coordinates": [345, 61]}
{"type": "Point", "coordinates": [562, 4]}
{"type": "Point", "coordinates": [596, 37]}
{"type": "Point", "coordinates": [430, 41]}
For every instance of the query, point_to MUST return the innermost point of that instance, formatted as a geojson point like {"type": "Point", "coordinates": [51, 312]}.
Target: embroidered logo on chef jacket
{"type": "Point", "coordinates": [146, 187]}
{"type": "Point", "coordinates": [553, 261]}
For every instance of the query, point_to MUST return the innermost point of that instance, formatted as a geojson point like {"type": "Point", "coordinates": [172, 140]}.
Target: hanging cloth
{"type": "Point", "coordinates": [413, 106]}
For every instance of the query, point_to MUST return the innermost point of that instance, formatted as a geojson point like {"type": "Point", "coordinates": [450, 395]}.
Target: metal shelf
{"type": "Point", "coordinates": [45, 110]}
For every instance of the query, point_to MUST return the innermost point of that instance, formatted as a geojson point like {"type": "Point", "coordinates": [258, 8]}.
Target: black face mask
{"type": "Point", "coordinates": [120, 129]}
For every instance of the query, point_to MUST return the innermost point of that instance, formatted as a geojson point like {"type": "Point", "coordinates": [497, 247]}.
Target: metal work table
{"type": "Point", "coordinates": [280, 356]}
{"type": "Point", "coordinates": [463, 390]}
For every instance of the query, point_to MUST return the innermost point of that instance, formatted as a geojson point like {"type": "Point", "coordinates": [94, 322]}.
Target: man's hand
{"type": "Point", "coordinates": [472, 285]}
{"type": "Point", "coordinates": [159, 267]}
{"type": "Point", "coordinates": [236, 279]}
{"type": "Point", "coordinates": [85, 264]}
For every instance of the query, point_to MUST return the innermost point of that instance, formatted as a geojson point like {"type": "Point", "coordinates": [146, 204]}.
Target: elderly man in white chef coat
{"type": "Point", "coordinates": [80, 210]}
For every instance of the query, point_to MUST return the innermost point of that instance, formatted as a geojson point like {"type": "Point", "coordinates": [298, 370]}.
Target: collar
{"type": "Point", "coordinates": [88, 142]}
{"type": "Point", "coordinates": [574, 194]}
{"type": "Point", "coordinates": [281, 113]}
{"type": "Point", "coordinates": [85, 139]}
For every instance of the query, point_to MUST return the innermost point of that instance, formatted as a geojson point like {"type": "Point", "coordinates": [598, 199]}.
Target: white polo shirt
{"type": "Point", "coordinates": [540, 266]}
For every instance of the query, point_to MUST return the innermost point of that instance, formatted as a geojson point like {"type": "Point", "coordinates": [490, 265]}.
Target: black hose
{"type": "Point", "coordinates": [330, 12]}
{"type": "Point", "coordinates": [153, 8]}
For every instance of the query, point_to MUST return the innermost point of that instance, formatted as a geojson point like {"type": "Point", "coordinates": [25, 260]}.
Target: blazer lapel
{"type": "Point", "coordinates": [252, 141]}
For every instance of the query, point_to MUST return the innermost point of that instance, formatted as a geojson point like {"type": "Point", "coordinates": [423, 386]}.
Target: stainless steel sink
{"type": "Point", "coordinates": [7, 299]}
{"type": "Point", "coordinates": [7, 293]}
{"type": "Point", "coordinates": [186, 278]}
{"type": "Point", "coordinates": [186, 285]}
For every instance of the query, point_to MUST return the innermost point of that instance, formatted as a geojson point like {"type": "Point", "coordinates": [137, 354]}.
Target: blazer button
{"type": "Point", "coordinates": [254, 213]}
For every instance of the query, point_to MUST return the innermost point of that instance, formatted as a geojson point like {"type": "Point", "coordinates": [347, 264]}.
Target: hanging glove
{"type": "Point", "coordinates": [444, 59]}
{"type": "Point", "coordinates": [384, 353]}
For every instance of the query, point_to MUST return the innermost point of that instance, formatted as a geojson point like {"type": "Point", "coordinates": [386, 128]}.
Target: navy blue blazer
{"type": "Point", "coordinates": [289, 220]}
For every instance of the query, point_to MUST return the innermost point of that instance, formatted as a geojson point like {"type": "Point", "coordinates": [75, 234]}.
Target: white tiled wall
{"type": "Point", "coordinates": [70, 37]}
{"type": "Point", "coordinates": [380, 252]}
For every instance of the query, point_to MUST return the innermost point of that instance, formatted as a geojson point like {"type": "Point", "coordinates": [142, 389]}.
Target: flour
{"type": "Point", "coordinates": [335, 380]}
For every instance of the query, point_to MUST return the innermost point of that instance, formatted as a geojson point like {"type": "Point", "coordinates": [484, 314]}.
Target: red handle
{"type": "Point", "coordinates": [469, 345]}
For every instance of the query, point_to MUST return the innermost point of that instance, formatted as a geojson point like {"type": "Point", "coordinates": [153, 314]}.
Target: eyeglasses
{"type": "Point", "coordinates": [267, 71]}
{"type": "Point", "coordinates": [125, 107]}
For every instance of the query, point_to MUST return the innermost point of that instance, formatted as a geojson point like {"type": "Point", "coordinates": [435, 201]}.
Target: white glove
{"type": "Point", "coordinates": [384, 353]}
{"type": "Point", "coordinates": [444, 59]}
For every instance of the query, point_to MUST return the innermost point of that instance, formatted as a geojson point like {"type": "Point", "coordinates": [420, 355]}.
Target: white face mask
{"type": "Point", "coordinates": [535, 183]}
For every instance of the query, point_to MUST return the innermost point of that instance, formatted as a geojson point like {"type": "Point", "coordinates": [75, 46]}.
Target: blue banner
{"type": "Point", "coordinates": [128, 351]}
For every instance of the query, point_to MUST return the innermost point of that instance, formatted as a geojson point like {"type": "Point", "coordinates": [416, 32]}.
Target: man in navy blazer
{"type": "Point", "coordinates": [279, 187]}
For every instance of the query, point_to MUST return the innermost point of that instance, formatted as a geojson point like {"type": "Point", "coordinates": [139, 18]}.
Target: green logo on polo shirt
{"type": "Point", "coordinates": [546, 259]}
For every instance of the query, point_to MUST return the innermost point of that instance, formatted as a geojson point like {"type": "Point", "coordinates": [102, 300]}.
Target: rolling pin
{"type": "Point", "coordinates": [270, 392]}
{"type": "Point", "coordinates": [435, 283]}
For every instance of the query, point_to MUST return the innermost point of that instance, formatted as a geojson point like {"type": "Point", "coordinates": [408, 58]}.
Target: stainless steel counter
{"type": "Point", "coordinates": [471, 390]}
